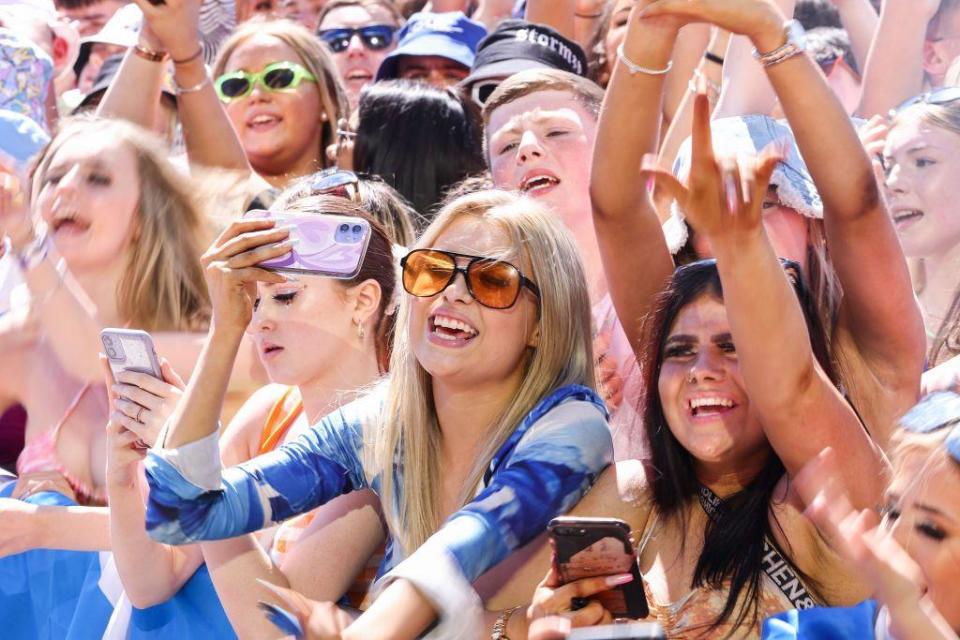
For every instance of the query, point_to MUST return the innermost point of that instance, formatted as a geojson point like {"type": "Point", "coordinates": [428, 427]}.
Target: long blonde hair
{"type": "Point", "coordinates": [946, 117]}
{"type": "Point", "coordinates": [408, 426]}
{"type": "Point", "coordinates": [313, 56]}
{"type": "Point", "coordinates": [162, 287]}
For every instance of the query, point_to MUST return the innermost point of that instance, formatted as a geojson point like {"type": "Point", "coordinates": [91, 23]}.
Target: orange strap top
{"type": "Point", "coordinates": [279, 420]}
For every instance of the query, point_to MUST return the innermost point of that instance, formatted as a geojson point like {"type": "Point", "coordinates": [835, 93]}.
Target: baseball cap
{"type": "Point", "coordinates": [749, 135]}
{"type": "Point", "coordinates": [518, 45]}
{"type": "Point", "coordinates": [450, 35]}
{"type": "Point", "coordinates": [122, 29]}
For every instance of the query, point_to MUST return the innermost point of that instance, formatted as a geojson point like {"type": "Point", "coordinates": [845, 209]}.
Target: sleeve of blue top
{"type": "Point", "coordinates": [552, 467]}
{"type": "Point", "coordinates": [320, 465]}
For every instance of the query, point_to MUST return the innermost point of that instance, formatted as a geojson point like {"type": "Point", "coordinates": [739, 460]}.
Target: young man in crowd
{"type": "Point", "coordinates": [436, 48]}
{"type": "Point", "coordinates": [540, 127]}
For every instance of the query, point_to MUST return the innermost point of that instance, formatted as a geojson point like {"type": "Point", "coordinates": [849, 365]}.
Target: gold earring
{"type": "Point", "coordinates": [360, 332]}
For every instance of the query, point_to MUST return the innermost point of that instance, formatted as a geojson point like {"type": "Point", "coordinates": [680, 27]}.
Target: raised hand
{"type": "Point", "coordinates": [723, 198]}
{"type": "Point", "coordinates": [35, 482]}
{"type": "Point", "coordinates": [231, 271]}
{"type": "Point", "coordinates": [173, 25]}
{"type": "Point", "coordinates": [760, 20]}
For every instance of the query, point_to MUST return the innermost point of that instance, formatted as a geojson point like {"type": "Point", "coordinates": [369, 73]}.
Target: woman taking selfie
{"type": "Point", "coordinates": [729, 427]}
{"type": "Point", "coordinates": [490, 403]}
{"type": "Point", "coordinates": [350, 347]}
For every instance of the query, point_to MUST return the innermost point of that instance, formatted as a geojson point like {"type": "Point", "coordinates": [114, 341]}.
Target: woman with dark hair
{"type": "Point", "coordinates": [421, 140]}
{"type": "Point", "coordinates": [741, 398]}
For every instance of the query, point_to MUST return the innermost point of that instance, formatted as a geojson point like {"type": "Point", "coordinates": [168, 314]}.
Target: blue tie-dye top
{"type": "Point", "coordinates": [541, 471]}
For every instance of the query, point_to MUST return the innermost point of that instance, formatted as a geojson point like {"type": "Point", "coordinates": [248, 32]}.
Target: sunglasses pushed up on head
{"type": "Point", "coordinates": [278, 76]}
{"type": "Point", "coordinates": [493, 283]}
{"type": "Point", "coordinates": [375, 37]}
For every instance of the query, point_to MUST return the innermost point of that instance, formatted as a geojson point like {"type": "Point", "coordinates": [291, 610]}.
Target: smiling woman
{"type": "Point", "coordinates": [284, 122]}
{"type": "Point", "coordinates": [488, 427]}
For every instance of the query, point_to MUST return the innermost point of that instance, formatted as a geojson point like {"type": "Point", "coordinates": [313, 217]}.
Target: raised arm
{"type": "Point", "coordinates": [559, 14]}
{"type": "Point", "coordinates": [894, 68]}
{"type": "Point", "coordinates": [860, 20]}
{"type": "Point", "coordinates": [800, 409]}
{"type": "Point", "coordinates": [879, 314]}
{"type": "Point", "coordinates": [635, 255]}
{"type": "Point", "coordinates": [173, 28]}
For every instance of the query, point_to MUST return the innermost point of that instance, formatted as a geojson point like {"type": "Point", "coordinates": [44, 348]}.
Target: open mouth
{"type": "Point", "coordinates": [538, 183]}
{"type": "Point", "coordinates": [906, 217]}
{"type": "Point", "coordinates": [452, 330]}
{"type": "Point", "coordinates": [68, 223]}
{"type": "Point", "coordinates": [358, 75]}
{"type": "Point", "coordinates": [263, 121]}
{"type": "Point", "coordinates": [706, 407]}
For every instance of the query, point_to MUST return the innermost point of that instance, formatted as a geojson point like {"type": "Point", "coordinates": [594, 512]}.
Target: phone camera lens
{"type": "Point", "coordinates": [344, 228]}
{"type": "Point", "coordinates": [357, 228]}
{"type": "Point", "coordinates": [107, 340]}
{"type": "Point", "coordinates": [111, 352]}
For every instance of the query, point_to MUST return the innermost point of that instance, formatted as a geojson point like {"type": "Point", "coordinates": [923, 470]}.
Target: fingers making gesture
{"type": "Point", "coordinates": [723, 197]}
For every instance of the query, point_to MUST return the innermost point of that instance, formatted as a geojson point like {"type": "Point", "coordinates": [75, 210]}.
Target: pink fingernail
{"type": "Point", "coordinates": [622, 578]}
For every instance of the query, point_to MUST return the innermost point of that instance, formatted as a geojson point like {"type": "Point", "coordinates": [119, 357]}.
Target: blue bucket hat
{"type": "Point", "coordinates": [449, 35]}
{"type": "Point", "coordinates": [749, 135]}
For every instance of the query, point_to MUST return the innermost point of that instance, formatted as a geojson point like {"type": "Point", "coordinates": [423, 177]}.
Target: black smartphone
{"type": "Point", "coordinates": [590, 547]}
{"type": "Point", "coordinates": [628, 631]}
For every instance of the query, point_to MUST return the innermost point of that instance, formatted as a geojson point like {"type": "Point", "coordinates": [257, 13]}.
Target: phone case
{"type": "Point", "coordinates": [327, 245]}
{"type": "Point", "coordinates": [628, 631]}
{"type": "Point", "coordinates": [130, 350]}
{"type": "Point", "coordinates": [588, 547]}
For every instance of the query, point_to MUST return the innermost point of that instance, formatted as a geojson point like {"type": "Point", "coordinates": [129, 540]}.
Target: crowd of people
{"type": "Point", "coordinates": [685, 266]}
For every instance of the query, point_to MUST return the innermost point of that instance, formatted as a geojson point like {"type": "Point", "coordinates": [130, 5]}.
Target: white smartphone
{"type": "Point", "coordinates": [130, 350]}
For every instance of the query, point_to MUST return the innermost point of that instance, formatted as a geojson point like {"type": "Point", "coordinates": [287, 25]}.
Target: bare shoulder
{"type": "Point", "coordinates": [622, 492]}
{"type": "Point", "coordinates": [835, 580]}
{"type": "Point", "coordinates": [242, 435]}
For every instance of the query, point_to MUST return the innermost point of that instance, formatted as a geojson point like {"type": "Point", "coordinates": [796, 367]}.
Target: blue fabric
{"type": "Point", "coordinates": [20, 137]}
{"type": "Point", "coordinates": [57, 595]}
{"type": "Point", "coordinates": [40, 589]}
{"type": "Point", "coordinates": [449, 35]}
{"type": "Point", "coordinates": [538, 474]}
{"type": "Point", "coordinates": [823, 623]}
{"type": "Point", "coordinates": [194, 612]}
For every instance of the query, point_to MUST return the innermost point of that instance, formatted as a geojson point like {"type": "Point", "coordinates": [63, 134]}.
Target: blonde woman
{"type": "Point", "coordinates": [488, 427]}
{"type": "Point", "coordinates": [114, 240]}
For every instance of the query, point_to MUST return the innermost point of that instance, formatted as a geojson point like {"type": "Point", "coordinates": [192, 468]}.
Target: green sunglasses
{"type": "Point", "coordinates": [278, 76]}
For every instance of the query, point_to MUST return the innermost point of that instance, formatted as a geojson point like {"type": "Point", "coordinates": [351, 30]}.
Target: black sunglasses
{"type": "Point", "coordinates": [374, 37]}
{"type": "Point", "coordinates": [943, 95]}
{"type": "Point", "coordinates": [493, 283]}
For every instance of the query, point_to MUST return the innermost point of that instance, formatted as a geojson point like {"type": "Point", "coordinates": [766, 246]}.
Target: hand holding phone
{"type": "Point", "coordinates": [143, 390]}
{"type": "Point", "coordinates": [593, 547]}
{"type": "Point", "coordinates": [326, 245]}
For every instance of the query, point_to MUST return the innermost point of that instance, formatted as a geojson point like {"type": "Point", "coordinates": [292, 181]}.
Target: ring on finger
{"type": "Point", "coordinates": [139, 413]}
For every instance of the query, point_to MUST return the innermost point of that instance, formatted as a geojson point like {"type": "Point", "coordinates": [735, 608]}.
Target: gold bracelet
{"type": "Point", "coordinates": [147, 54]}
{"type": "Point", "coordinates": [500, 626]}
